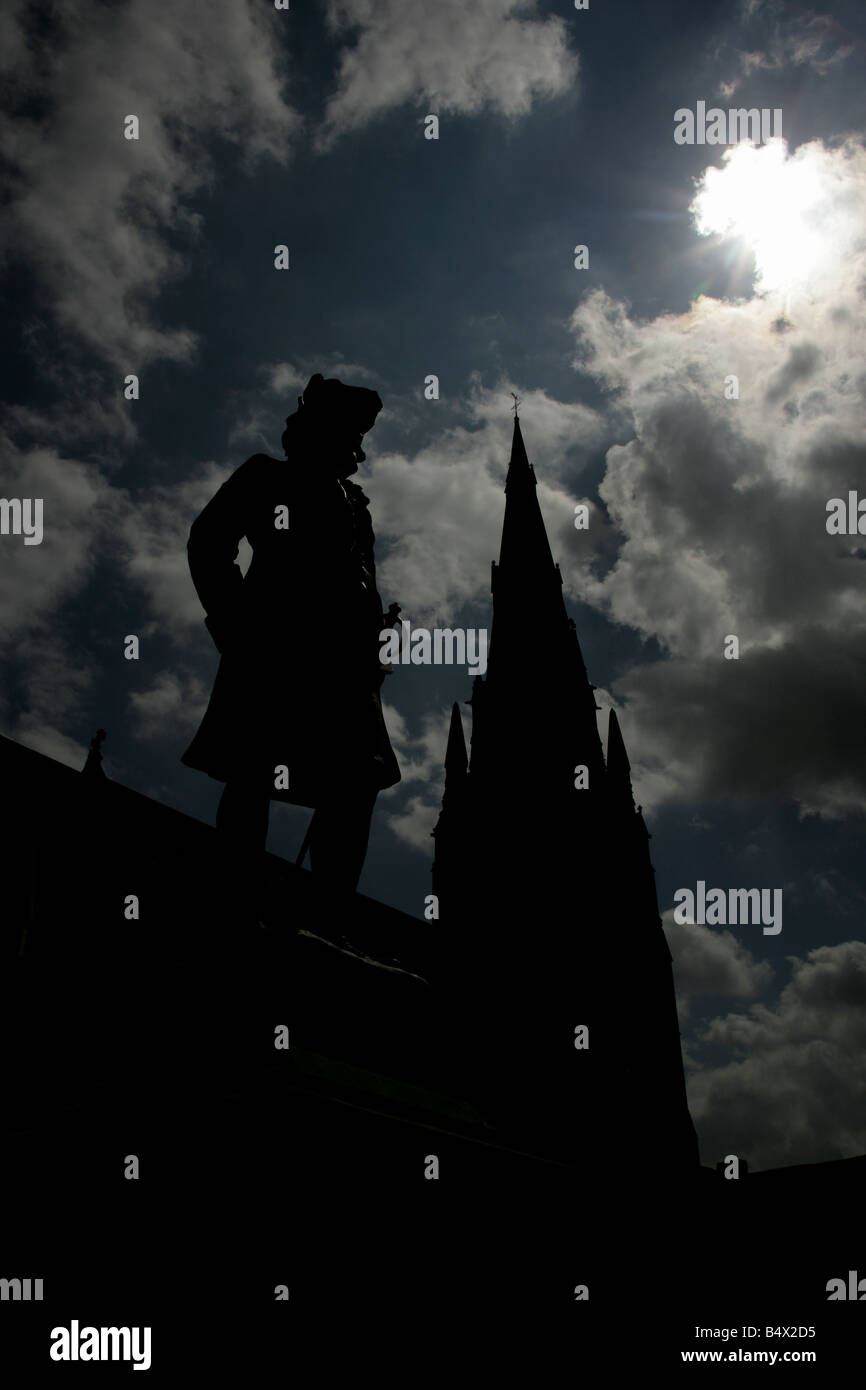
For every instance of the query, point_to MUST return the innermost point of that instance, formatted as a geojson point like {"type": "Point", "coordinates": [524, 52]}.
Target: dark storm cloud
{"type": "Point", "coordinates": [782, 722]}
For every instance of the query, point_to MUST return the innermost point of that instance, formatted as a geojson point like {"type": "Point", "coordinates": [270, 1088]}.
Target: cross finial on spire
{"type": "Point", "coordinates": [516, 402]}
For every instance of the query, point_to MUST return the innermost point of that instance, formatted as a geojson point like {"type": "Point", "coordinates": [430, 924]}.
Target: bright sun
{"type": "Point", "coordinates": [775, 204]}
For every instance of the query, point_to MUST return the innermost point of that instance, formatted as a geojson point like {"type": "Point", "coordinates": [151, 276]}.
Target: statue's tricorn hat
{"type": "Point", "coordinates": [332, 400]}
{"type": "Point", "coordinates": [357, 405]}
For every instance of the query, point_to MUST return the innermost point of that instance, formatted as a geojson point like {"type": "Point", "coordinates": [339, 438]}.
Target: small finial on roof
{"type": "Point", "coordinates": [93, 767]}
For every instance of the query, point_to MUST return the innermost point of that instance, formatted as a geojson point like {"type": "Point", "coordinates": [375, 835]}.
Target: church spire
{"type": "Point", "coordinates": [525, 549]}
{"type": "Point", "coordinates": [449, 832]}
{"type": "Point", "coordinates": [456, 758]}
{"type": "Point", "coordinates": [456, 768]}
{"type": "Point", "coordinates": [618, 766]}
{"type": "Point", "coordinates": [535, 842]}
{"type": "Point", "coordinates": [534, 655]}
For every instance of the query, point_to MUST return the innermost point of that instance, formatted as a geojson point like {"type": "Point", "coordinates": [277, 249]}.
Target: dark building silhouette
{"type": "Point", "coordinates": [545, 886]}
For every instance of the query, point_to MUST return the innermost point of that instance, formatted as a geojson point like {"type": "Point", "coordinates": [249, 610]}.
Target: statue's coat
{"type": "Point", "coordinates": [299, 675]}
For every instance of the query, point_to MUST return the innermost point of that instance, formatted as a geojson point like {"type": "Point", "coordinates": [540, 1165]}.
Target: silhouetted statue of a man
{"type": "Point", "coordinates": [295, 713]}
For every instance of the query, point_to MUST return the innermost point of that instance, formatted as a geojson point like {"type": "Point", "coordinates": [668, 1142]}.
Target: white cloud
{"type": "Point", "coordinates": [79, 510]}
{"type": "Point", "coordinates": [421, 758]}
{"type": "Point", "coordinates": [153, 536]}
{"type": "Point", "coordinates": [87, 522]}
{"type": "Point", "coordinates": [55, 680]}
{"type": "Point", "coordinates": [52, 674]}
{"type": "Point", "coordinates": [493, 54]}
{"type": "Point", "coordinates": [91, 209]}
{"type": "Point", "coordinates": [708, 961]}
{"type": "Point", "coordinates": [44, 738]}
{"type": "Point", "coordinates": [414, 825]}
{"type": "Point", "coordinates": [795, 1089]}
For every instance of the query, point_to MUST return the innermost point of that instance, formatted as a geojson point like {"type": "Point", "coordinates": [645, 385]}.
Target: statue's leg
{"type": "Point", "coordinates": [339, 835]}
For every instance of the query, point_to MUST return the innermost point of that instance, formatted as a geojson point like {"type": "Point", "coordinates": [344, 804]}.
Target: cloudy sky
{"type": "Point", "coordinates": [409, 257]}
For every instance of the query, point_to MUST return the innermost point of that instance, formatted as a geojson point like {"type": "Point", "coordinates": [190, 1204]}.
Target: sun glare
{"type": "Point", "coordinates": [774, 203]}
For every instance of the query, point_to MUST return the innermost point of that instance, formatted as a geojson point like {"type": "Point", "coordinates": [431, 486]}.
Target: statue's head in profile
{"type": "Point", "coordinates": [330, 422]}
